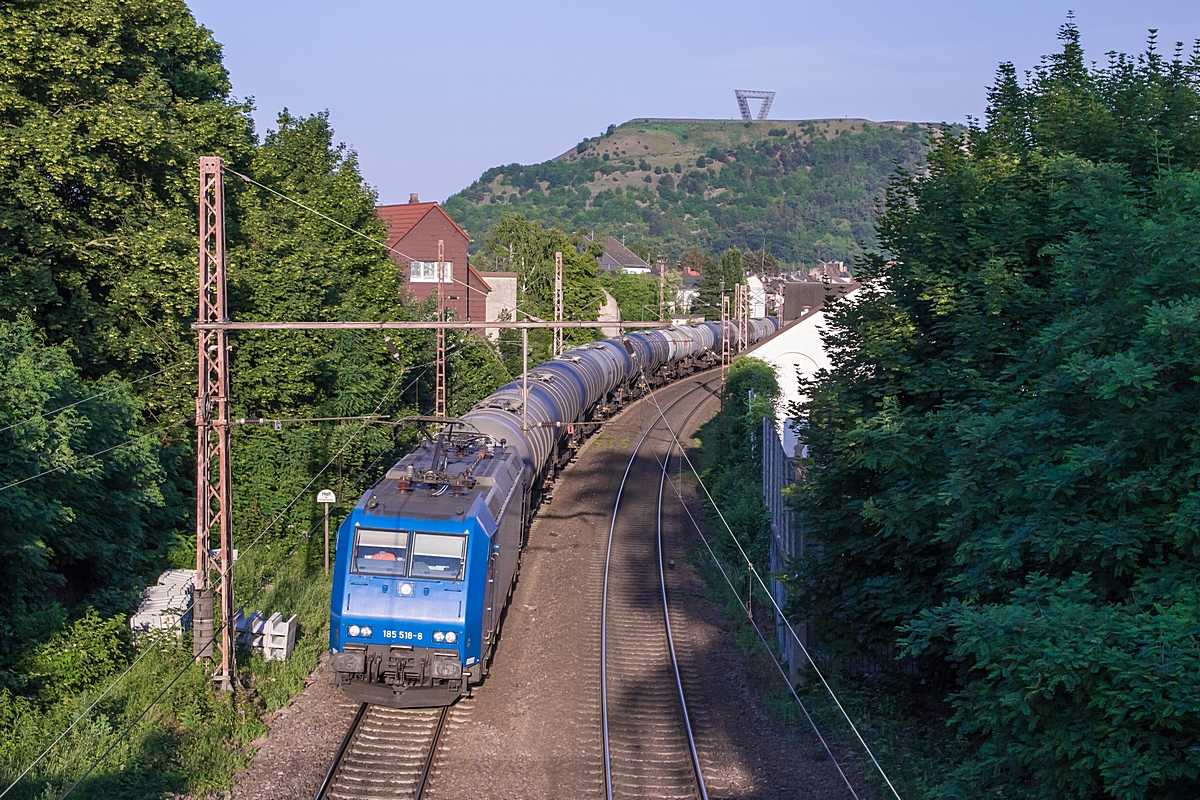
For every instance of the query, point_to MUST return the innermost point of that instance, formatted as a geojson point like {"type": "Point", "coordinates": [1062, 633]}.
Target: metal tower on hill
{"type": "Point", "coordinates": [751, 94]}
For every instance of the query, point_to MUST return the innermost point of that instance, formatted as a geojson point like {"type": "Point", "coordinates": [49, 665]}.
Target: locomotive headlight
{"type": "Point", "coordinates": [438, 636]}
{"type": "Point", "coordinates": [353, 630]}
{"type": "Point", "coordinates": [366, 631]}
{"type": "Point", "coordinates": [451, 637]}
{"type": "Point", "coordinates": [406, 589]}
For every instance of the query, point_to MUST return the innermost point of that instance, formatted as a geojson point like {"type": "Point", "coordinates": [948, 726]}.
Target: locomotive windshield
{"type": "Point", "coordinates": [379, 552]}
{"type": "Point", "coordinates": [438, 555]}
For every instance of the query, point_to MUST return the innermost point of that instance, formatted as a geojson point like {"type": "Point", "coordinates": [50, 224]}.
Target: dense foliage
{"type": "Point", "coordinates": [638, 295]}
{"type": "Point", "coordinates": [717, 280]}
{"type": "Point", "coordinates": [803, 198]}
{"type": "Point", "coordinates": [1005, 470]}
{"type": "Point", "coordinates": [106, 108]}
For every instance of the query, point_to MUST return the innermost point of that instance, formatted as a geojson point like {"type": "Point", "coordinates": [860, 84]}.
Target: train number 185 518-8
{"type": "Point", "coordinates": [402, 635]}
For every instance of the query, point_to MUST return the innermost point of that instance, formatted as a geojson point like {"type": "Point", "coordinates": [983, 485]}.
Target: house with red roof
{"type": "Point", "coordinates": [414, 229]}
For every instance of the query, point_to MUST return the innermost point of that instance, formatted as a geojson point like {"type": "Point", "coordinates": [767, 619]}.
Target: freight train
{"type": "Point", "coordinates": [428, 559]}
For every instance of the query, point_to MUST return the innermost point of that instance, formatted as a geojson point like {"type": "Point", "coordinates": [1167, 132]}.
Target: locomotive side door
{"type": "Point", "coordinates": [489, 612]}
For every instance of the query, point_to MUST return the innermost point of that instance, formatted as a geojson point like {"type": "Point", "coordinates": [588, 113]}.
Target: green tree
{"type": "Point", "coordinates": [732, 461]}
{"type": "Point", "coordinates": [60, 534]}
{"type": "Point", "coordinates": [726, 273]}
{"type": "Point", "coordinates": [293, 265]}
{"type": "Point", "coordinates": [98, 157]}
{"type": "Point", "coordinates": [760, 262]}
{"type": "Point", "coordinates": [528, 249]}
{"type": "Point", "coordinates": [637, 295]}
{"type": "Point", "coordinates": [1004, 452]}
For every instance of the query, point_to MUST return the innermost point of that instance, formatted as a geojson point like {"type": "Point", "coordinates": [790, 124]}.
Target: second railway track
{"type": "Point", "coordinates": [649, 746]}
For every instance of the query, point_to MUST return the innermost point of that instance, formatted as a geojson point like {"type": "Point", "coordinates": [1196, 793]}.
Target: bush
{"type": "Point", "coordinates": [731, 460]}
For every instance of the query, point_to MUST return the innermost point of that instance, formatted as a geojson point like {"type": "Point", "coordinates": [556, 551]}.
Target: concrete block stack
{"type": "Point", "coordinates": [274, 636]}
{"type": "Point", "coordinates": [166, 607]}
{"type": "Point", "coordinates": [279, 637]}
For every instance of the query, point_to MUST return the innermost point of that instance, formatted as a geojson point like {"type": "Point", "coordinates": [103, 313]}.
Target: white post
{"type": "Point", "coordinates": [326, 497]}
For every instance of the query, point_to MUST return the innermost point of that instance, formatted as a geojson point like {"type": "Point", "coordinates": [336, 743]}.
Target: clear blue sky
{"type": "Point", "coordinates": [431, 94]}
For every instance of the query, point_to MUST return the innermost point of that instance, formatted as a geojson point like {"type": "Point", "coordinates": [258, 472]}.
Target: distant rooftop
{"type": "Point", "coordinates": [619, 258]}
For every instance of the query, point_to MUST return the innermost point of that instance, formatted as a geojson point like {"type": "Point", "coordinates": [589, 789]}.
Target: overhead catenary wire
{"type": "Point", "coordinates": [771, 597]}
{"type": "Point", "coordinates": [47, 414]}
{"type": "Point", "coordinates": [76, 459]}
{"type": "Point", "coordinates": [148, 650]}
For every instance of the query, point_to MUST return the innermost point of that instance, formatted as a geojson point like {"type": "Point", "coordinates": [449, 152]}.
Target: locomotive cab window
{"type": "Point", "coordinates": [437, 555]}
{"type": "Point", "coordinates": [379, 552]}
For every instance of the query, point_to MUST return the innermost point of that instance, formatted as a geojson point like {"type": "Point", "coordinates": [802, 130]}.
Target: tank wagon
{"type": "Point", "coordinates": [428, 558]}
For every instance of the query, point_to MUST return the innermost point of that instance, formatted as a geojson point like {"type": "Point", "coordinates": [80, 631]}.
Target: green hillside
{"type": "Point", "coordinates": [803, 190]}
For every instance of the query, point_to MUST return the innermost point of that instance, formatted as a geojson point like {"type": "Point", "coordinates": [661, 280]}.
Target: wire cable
{"type": "Point", "coordinates": [95, 396]}
{"type": "Point", "coordinates": [76, 459]}
{"type": "Point", "coordinates": [778, 610]}
{"type": "Point", "coordinates": [215, 635]}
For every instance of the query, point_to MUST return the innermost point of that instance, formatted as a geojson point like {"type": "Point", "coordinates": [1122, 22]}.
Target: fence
{"type": "Point", "coordinates": [787, 541]}
{"type": "Point", "coordinates": [779, 470]}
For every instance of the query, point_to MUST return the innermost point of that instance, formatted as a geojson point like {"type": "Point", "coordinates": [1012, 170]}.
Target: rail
{"type": "Point", "coordinates": [641, 661]}
{"type": "Point", "coordinates": [386, 753]}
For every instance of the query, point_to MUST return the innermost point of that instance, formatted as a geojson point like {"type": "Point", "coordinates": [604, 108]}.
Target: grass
{"type": "Point", "coordinates": [194, 739]}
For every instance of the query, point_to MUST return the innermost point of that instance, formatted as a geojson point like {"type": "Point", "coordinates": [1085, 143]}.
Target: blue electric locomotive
{"type": "Point", "coordinates": [428, 558]}
{"type": "Point", "coordinates": [425, 562]}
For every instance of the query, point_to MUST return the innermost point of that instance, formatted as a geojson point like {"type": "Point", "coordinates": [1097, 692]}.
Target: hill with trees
{"type": "Point", "coordinates": [802, 192]}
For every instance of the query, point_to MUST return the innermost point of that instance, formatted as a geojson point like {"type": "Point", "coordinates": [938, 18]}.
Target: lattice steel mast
{"type": "Point", "coordinates": [724, 333]}
{"type": "Point", "coordinates": [213, 476]}
{"type": "Point", "coordinates": [558, 303]}
{"type": "Point", "coordinates": [662, 290]}
{"type": "Point", "coordinates": [439, 403]}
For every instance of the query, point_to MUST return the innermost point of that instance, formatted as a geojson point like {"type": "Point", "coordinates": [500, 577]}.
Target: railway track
{"type": "Point", "coordinates": [649, 747]}
{"type": "Point", "coordinates": [387, 754]}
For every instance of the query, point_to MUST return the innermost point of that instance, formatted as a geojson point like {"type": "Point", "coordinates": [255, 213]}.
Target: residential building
{"type": "Point", "coordinates": [502, 300]}
{"type": "Point", "coordinates": [618, 258]}
{"type": "Point", "coordinates": [414, 229]}
{"type": "Point", "coordinates": [758, 296]}
{"type": "Point", "coordinates": [689, 292]}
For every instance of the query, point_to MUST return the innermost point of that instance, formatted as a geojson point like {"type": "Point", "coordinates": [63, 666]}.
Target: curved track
{"type": "Point", "coordinates": [649, 747]}
{"type": "Point", "coordinates": [387, 754]}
